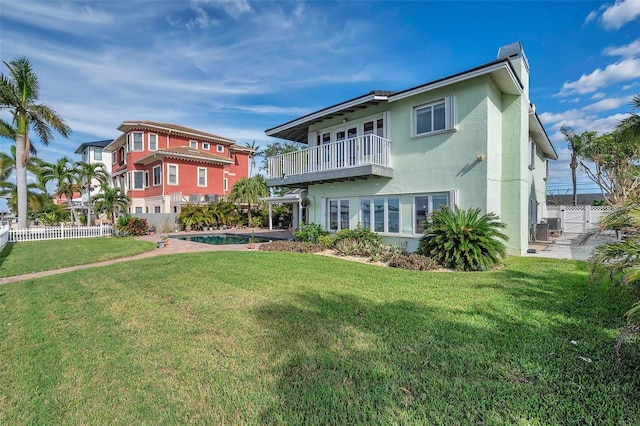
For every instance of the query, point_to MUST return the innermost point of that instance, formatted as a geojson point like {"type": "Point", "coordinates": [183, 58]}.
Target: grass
{"type": "Point", "coordinates": [282, 338]}
{"type": "Point", "coordinates": [25, 258]}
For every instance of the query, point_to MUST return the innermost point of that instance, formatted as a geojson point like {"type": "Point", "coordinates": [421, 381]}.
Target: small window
{"type": "Point", "coordinates": [193, 144]}
{"type": "Point", "coordinates": [114, 158]}
{"type": "Point", "coordinates": [202, 177]}
{"type": "Point", "coordinates": [156, 209]}
{"type": "Point", "coordinates": [157, 176]}
{"type": "Point", "coordinates": [138, 209]}
{"type": "Point", "coordinates": [137, 141]}
{"type": "Point", "coordinates": [219, 148]}
{"type": "Point", "coordinates": [97, 154]}
{"type": "Point", "coordinates": [225, 184]}
{"type": "Point", "coordinates": [433, 117]}
{"type": "Point", "coordinates": [138, 180]}
{"type": "Point", "coordinates": [172, 174]}
{"type": "Point", "coordinates": [153, 142]}
{"type": "Point", "coordinates": [206, 146]}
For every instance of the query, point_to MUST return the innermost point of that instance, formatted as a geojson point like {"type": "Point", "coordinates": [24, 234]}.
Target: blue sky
{"type": "Point", "coordinates": [236, 68]}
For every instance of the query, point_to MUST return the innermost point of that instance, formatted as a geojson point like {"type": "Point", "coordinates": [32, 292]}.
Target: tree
{"type": "Point", "coordinates": [614, 165]}
{"type": "Point", "coordinates": [277, 148]}
{"type": "Point", "coordinates": [19, 94]}
{"type": "Point", "coordinates": [630, 126]}
{"type": "Point", "coordinates": [8, 163]}
{"type": "Point", "coordinates": [37, 198]}
{"type": "Point", "coordinates": [252, 156]}
{"type": "Point", "coordinates": [66, 178]}
{"type": "Point", "coordinates": [87, 174]}
{"type": "Point", "coordinates": [248, 191]}
{"type": "Point", "coordinates": [111, 201]}
{"type": "Point", "coordinates": [576, 143]}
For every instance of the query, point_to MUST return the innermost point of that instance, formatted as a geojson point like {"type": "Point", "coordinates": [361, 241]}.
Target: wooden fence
{"type": "Point", "coordinates": [62, 232]}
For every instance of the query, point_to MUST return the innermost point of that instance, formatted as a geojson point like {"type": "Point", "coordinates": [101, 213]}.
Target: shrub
{"type": "Point", "coordinates": [347, 247]}
{"type": "Point", "coordinates": [310, 233]}
{"type": "Point", "coordinates": [291, 246]}
{"type": "Point", "coordinates": [413, 261]}
{"type": "Point", "coordinates": [326, 241]}
{"type": "Point", "coordinates": [361, 234]}
{"type": "Point", "coordinates": [463, 240]}
{"type": "Point", "coordinates": [137, 226]}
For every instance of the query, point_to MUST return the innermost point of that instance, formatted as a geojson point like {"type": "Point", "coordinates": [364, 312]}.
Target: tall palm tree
{"type": "Point", "coordinates": [631, 125]}
{"type": "Point", "coordinates": [88, 173]}
{"type": "Point", "coordinates": [248, 191]}
{"type": "Point", "coordinates": [576, 144]}
{"type": "Point", "coordinates": [36, 196]}
{"type": "Point", "coordinates": [252, 156]}
{"type": "Point", "coordinates": [110, 201]}
{"type": "Point", "coordinates": [65, 176]}
{"type": "Point", "coordinates": [19, 94]}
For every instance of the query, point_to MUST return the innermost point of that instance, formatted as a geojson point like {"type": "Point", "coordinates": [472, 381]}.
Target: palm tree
{"type": "Point", "coordinates": [36, 200]}
{"type": "Point", "coordinates": [19, 94]}
{"type": "Point", "coordinates": [249, 190]}
{"type": "Point", "coordinates": [8, 163]}
{"type": "Point", "coordinates": [88, 173]}
{"type": "Point", "coordinates": [252, 156]}
{"type": "Point", "coordinates": [110, 201]}
{"type": "Point", "coordinates": [66, 178]}
{"type": "Point", "coordinates": [576, 143]}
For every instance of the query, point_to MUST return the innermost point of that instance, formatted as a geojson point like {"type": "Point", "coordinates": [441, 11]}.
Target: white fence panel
{"type": "Point", "coordinates": [578, 219]}
{"type": "Point", "coordinates": [4, 235]}
{"type": "Point", "coordinates": [61, 232]}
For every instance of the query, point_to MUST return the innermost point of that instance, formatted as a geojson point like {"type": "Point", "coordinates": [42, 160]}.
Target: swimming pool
{"type": "Point", "coordinates": [222, 239]}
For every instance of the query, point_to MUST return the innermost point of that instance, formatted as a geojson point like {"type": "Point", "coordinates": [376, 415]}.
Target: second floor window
{"type": "Point", "coordinates": [172, 174]}
{"type": "Point", "coordinates": [202, 176]}
{"type": "Point", "coordinates": [157, 178]}
{"type": "Point", "coordinates": [153, 142]}
{"type": "Point", "coordinates": [434, 117]}
{"type": "Point", "coordinates": [193, 144]}
{"type": "Point", "coordinates": [139, 180]}
{"type": "Point", "coordinates": [97, 154]}
{"type": "Point", "coordinates": [137, 141]}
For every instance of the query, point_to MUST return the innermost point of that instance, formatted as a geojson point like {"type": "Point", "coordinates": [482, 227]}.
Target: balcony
{"type": "Point", "coordinates": [359, 157]}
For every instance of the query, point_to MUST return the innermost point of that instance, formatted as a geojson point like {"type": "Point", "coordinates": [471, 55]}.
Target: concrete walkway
{"type": "Point", "coordinates": [567, 246]}
{"type": "Point", "coordinates": [175, 245]}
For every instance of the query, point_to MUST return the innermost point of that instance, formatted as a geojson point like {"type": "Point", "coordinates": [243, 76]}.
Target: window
{"type": "Point", "coordinates": [172, 173]}
{"type": "Point", "coordinates": [146, 179]}
{"type": "Point", "coordinates": [157, 176]}
{"type": "Point", "coordinates": [193, 144]}
{"type": "Point", "coordinates": [153, 142]}
{"type": "Point", "coordinates": [225, 184]}
{"type": "Point", "coordinates": [434, 117]}
{"type": "Point", "coordinates": [138, 180]}
{"type": "Point", "coordinates": [219, 148]}
{"type": "Point", "coordinates": [137, 141]}
{"type": "Point", "coordinates": [380, 214]}
{"type": "Point", "coordinates": [338, 214]}
{"type": "Point", "coordinates": [156, 209]}
{"type": "Point", "coordinates": [97, 154]}
{"type": "Point", "coordinates": [114, 158]}
{"type": "Point", "coordinates": [205, 146]}
{"type": "Point", "coordinates": [138, 209]}
{"type": "Point", "coordinates": [424, 205]}
{"type": "Point", "coordinates": [202, 176]}
{"type": "Point", "coordinates": [123, 159]}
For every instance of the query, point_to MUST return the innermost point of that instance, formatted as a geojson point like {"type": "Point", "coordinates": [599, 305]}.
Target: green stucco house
{"type": "Point", "coordinates": [385, 160]}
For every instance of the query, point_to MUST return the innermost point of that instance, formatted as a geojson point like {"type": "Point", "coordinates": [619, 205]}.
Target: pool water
{"type": "Point", "coordinates": [222, 239]}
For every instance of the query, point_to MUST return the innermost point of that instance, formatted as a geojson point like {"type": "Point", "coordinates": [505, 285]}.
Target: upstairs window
{"type": "Point", "coordinates": [193, 144]}
{"type": "Point", "coordinates": [219, 148]}
{"type": "Point", "coordinates": [202, 177]}
{"type": "Point", "coordinates": [97, 154]}
{"type": "Point", "coordinates": [137, 141]}
{"type": "Point", "coordinates": [157, 177]}
{"type": "Point", "coordinates": [435, 117]}
{"type": "Point", "coordinates": [172, 174]}
{"type": "Point", "coordinates": [153, 142]}
{"type": "Point", "coordinates": [205, 146]}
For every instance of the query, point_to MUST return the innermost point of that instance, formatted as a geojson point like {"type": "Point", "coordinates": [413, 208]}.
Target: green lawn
{"type": "Point", "coordinates": [280, 338]}
{"type": "Point", "coordinates": [25, 258]}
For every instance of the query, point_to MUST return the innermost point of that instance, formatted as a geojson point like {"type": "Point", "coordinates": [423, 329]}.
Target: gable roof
{"type": "Point", "coordinates": [97, 144]}
{"type": "Point", "coordinates": [184, 153]}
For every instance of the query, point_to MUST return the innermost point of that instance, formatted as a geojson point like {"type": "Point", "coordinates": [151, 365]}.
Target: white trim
{"type": "Point", "coordinates": [192, 143]}
{"type": "Point", "coordinates": [153, 179]}
{"type": "Point", "coordinates": [219, 148]}
{"type": "Point", "coordinates": [133, 143]}
{"type": "Point", "coordinates": [206, 146]}
{"type": "Point", "coordinates": [450, 116]}
{"type": "Point", "coordinates": [429, 207]}
{"type": "Point", "coordinates": [149, 141]}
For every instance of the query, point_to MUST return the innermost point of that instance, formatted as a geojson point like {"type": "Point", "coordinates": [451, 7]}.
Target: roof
{"type": "Point", "coordinates": [187, 132]}
{"type": "Point", "coordinates": [501, 69]}
{"type": "Point", "coordinates": [184, 153]}
{"type": "Point", "coordinates": [97, 144]}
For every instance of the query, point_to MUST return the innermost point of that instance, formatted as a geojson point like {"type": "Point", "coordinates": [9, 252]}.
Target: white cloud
{"type": "Point", "coordinates": [606, 104]}
{"type": "Point", "coordinates": [591, 17]}
{"type": "Point", "coordinates": [630, 50]}
{"type": "Point", "coordinates": [628, 69]}
{"type": "Point", "coordinates": [620, 13]}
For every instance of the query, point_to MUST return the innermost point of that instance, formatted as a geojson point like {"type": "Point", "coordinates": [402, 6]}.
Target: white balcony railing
{"type": "Point", "coordinates": [353, 152]}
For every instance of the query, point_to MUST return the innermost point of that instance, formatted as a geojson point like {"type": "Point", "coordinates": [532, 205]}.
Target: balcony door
{"type": "Point", "coordinates": [346, 146]}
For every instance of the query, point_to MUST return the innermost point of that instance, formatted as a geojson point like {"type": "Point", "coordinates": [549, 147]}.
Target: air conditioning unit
{"type": "Point", "coordinates": [211, 198]}
{"type": "Point", "coordinates": [194, 198]}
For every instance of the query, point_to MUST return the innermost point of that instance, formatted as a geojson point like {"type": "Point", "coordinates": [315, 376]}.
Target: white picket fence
{"type": "Point", "coordinates": [578, 219]}
{"type": "Point", "coordinates": [4, 235]}
{"type": "Point", "coordinates": [62, 232]}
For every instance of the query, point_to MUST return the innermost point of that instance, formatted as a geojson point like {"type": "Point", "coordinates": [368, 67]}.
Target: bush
{"type": "Point", "coordinates": [361, 234]}
{"type": "Point", "coordinates": [326, 241]}
{"type": "Point", "coordinates": [310, 233]}
{"type": "Point", "coordinates": [291, 246]}
{"type": "Point", "coordinates": [463, 240]}
{"type": "Point", "coordinates": [413, 261]}
{"type": "Point", "coordinates": [129, 225]}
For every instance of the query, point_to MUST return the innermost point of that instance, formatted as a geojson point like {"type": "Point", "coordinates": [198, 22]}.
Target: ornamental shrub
{"type": "Point", "coordinates": [463, 240]}
{"type": "Point", "coordinates": [310, 233]}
